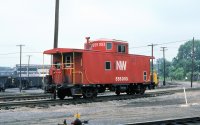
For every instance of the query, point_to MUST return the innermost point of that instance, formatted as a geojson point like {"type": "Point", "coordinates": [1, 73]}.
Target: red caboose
{"type": "Point", "coordinates": [103, 64]}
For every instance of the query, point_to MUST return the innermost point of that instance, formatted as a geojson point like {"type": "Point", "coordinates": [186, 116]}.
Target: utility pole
{"type": "Point", "coordinates": [152, 45]}
{"type": "Point", "coordinates": [158, 66]}
{"type": "Point", "coordinates": [163, 49]}
{"type": "Point", "coordinates": [28, 67]}
{"type": "Point", "coordinates": [20, 74]}
{"type": "Point", "coordinates": [192, 61]}
{"type": "Point", "coordinates": [56, 24]}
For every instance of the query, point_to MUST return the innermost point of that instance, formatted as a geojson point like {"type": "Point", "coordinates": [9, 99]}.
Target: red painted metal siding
{"type": "Point", "coordinates": [90, 64]}
{"type": "Point", "coordinates": [130, 71]}
{"type": "Point", "coordinates": [78, 69]}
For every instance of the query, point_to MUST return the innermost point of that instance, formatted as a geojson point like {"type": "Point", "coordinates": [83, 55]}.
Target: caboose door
{"type": "Point", "coordinates": [73, 68]}
{"type": "Point", "coordinates": [68, 67]}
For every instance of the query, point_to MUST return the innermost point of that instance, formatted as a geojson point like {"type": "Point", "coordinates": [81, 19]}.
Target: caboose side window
{"type": "Point", "coordinates": [121, 49]}
{"type": "Point", "coordinates": [108, 46]}
{"type": "Point", "coordinates": [145, 75]}
{"type": "Point", "coordinates": [107, 65]}
{"type": "Point", "coordinates": [67, 61]}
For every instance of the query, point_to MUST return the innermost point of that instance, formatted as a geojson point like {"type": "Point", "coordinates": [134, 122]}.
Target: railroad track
{"type": "Point", "coordinates": [102, 98]}
{"type": "Point", "coordinates": [35, 96]}
{"type": "Point", "coordinates": [180, 121]}
{"type": "Point", "coordinates": [69, 101]}
{"type": "Point", "coordinates": [22, 97]}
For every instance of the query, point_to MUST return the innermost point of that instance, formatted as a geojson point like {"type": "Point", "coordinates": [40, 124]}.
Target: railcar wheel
{"type": "Point", "coordinates": [101, 89]}
{"type": "Point", "coordinates": [76, 97]}
{"type": "Point", "coordinates": [95, 94]}
{"type": "Point", "coordinates": [137, 92]}
{"type": "Point", "coordinates": [61, 94]}
{"type": "Point", "coordinates": [133, 92]}
{"type": "Point", "coordinates": [117, 92]}
{"type": "Point", "coordinates": [128, 92]}
{"type": "Point", "coordinates": [54, 94]}
{"type": "Point", "coordinates": [142, 90]}
{"type": "Point", "coordinates": [88, 93]}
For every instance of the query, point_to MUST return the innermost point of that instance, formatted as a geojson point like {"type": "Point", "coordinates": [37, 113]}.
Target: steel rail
{"type": "Point", "coordinates": [68, 101]}
{"type": "Point", "coordinates": [102, 98]}
{"type": "Point", "coordinates": [178, 121]}
{"type": "Point", "coordinates": [24, 97]}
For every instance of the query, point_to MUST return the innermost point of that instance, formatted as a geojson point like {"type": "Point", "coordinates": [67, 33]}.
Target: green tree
{"type": "Point", "coordinates": [172, 70]}
{"type": "Point", "coordinates": [179, 73]}
{"type": "Point", "coordinates": [182, 63]}
{"type": "Point", "coordinates": [160, 67]}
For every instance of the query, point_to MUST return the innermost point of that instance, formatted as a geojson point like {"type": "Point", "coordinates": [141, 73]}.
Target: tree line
{"type": "Point", "coordinates": [180, 67]}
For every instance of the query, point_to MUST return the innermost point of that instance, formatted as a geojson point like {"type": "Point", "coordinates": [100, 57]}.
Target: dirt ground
{"type": "Point", "coordinates": [109, 113]}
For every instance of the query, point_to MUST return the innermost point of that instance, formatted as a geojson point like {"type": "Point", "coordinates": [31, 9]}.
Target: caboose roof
{"type": "Point", "coordinates": [67, 50]}
{"type": "Point", "coordinates": [61, 50]}
{"type": "Point", "coordinates": [107, 40]}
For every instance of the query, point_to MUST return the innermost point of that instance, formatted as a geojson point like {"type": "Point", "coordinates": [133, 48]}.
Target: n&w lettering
{"type": "Point", "coordinates": [120, 65]}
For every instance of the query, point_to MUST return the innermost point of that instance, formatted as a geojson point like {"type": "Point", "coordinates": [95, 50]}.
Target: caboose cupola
{"type": "Point", "coordinates": [107, 45]}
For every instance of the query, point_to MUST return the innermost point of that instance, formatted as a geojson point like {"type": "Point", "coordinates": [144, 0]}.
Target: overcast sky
{"type": "Point", "coordinates": [140, 22]}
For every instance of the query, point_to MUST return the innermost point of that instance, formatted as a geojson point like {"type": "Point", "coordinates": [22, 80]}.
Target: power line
{"type": "Point", "coordinates": [9, 53]}
{"type": "Point", "coordinates": [161, 44]}
{"type": "Point", "coordinates": [141, 51]}
{"type": "Point", "coordinates": [32, 52]}
{"type": "Point", "coordinates": [173, 42]}
{"type": "Point", "coordinates": [18, 52]}
{"type": "Point", "coordinates": [137, 47]}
